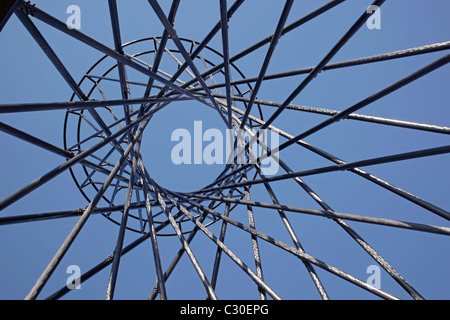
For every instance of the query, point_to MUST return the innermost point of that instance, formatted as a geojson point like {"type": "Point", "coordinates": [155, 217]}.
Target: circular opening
{"type": "Point", "coordinates": [183, 146]}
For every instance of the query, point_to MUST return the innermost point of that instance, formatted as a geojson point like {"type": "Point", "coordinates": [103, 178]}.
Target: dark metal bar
{"type": "Point", "coordinates": [256, 253]}
{"type": "Point", "coordinates": [348, 63]}
{"type": "Point", "coordinates": [348, 35]}
{"type": "Point", "coordinates": [7, 8]}
{"type": "Point", "coordinates": [66, 165]}
{"type": "Point", "coordinates": [50, 54]}
{"type": "Point", "coordinates": [218, 256]}
{"type": "Point", "coordinates": [161, 47]}
{"type": "Point", "coordinates": [152, 231]}
{"type": "Point", "coordinates": [226, 55]}
{"type": "Point", "coordinates": [397, 85]}
{"type": "Point", "coordinates": [27, 107]}
{"type": "Point", "coordinates": [404, 194]}
{"type": "Point", "coordinates": [125, 90]}
{"type": "Point", "coordinates": [313, 14]}
{"type": "Point", "coordinates": [203, 44]}
{"type": "Point", "coordinates": [121, 235]}
{"type": "Point", "coordinates": [48, 19]}
{"type": "Point", "coordinates": [295, 239]}
{"type": "Point", "coordinates": [265, 65]}
{"type": "Point", "coordinates": [241, 264]}
{"type": "Point", "coordinates": [329, 214]}
{"type": "Point", "coordinates": [42, 280]}
{"type": "Point", "coordinates": [356, 116]}
{"type": "Point", "coordinates": [63, 214]}
{"type": "Point", "coordinates": [209, 290]}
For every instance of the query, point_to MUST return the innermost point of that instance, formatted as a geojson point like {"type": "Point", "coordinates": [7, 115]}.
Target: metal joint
{"type": "Point", "coordinates": [28, 8]}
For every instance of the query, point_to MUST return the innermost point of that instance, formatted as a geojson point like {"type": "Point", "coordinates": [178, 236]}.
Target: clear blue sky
{"type": "Point", "coordinates": [422, 259]}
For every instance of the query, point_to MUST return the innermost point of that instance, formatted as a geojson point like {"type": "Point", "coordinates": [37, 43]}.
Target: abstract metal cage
{"type": "Point", "coordinates": [101, 152]}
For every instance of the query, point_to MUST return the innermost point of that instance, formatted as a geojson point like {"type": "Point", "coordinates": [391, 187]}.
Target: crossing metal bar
{"type": "Point", "coordinates": [310, 16]}
{"type": "Point", "coordinates": [265, 65]}
{"type": "Point", "coordinates": [331, 214]}
{"type": "Point", "coordinates": [343, 64]}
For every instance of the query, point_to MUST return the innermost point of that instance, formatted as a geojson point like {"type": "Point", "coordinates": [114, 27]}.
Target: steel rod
{"type": "Point", "coordinates": [64, 166]}
{"type": "Point", "coordinates": [329, 214]}
{"type": "Point", "coordinates": [46, 274]}
{"type": "Point", "coordinates": [380, 94]}
{"type": "Point", "coordinates": [265, 65]}
{"type": "Point", "coordinates": [396, 190]}
{"type": "Point", "coordinates": [310, 16]}
{"type": "Point", "coordinates": [48, 19]}
{"type": "Point", "coordinates": [295, 239]}
{"type": "Point", "coordinates": [209, 290]}
{"type": "Point", "coordinates": [348, 63]}
{"type": "Point", "coordinates": [120, 238]}
{"type": "Point", "coordinates": [239, 262]}
{"type": "Point", "coordinates": [298, 253]}
{"type": "Point", "coordinates": [226, 55]}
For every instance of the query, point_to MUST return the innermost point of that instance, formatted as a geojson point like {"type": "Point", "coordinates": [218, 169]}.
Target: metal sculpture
{"type": "Point", "coordinates": [102, 146]}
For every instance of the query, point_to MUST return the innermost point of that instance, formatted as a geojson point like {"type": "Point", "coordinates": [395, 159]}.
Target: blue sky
{"type": "Point", "coordinates": [422, 259]}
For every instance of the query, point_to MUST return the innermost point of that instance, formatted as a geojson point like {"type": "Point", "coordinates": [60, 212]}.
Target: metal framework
{"type": "Point", "coordinates": [102, 147]}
